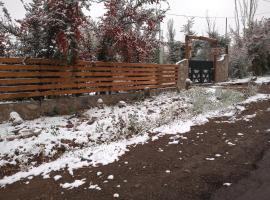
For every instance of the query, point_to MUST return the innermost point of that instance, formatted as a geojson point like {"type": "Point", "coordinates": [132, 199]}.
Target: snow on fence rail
{"type": "Point", "coordinates": [25, 78]}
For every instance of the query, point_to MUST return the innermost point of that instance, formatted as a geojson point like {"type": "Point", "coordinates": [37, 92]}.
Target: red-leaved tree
{"type": "Point", "coordinates": [127, 32]}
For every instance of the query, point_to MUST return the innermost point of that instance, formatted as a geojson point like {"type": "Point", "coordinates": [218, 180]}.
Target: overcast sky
{"type": "Point", "coordinates": [215, 8]}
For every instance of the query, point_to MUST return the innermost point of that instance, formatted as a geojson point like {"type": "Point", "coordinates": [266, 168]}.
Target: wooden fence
{"type": "Point", "coordinates": [20, 78]}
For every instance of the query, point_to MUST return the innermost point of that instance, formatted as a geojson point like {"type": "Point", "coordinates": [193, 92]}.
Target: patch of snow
{"type": "Point", "coordinates": [47, 176]}
{"type": "Point", "coordinates": [75, 184]}
{"type": "Point", "coordinates": [210, 159]}
{"type": "Point", "coordinates": [57, 177]}
{"type": "Point", "coordinates": [218, 155]}
{"type": "Point", "coordinates": [248, 117]}
{"type": "Point", "coordinates": [231, 144]}
{"type": "Point", "coordinates": [94, 187]}
{"type": "Point", "coordinates": [259, 81]}
{"type": "Point", "coordinates": [240, 134]}
{"type": "Point", "coordinates": [154, 138]}
{"type": "Point", "coordinates": [227, 184]}
{"type": "Point", "coordinates": [116, 195]}
{"type": "Point", "coordinates": [99, 173]}
{"type": "Point", "coordinates": [168, 171]}
{"type": "Point", "coordinates": [110, 177]}
{"type": "Point", "coordinates": [174, 142]}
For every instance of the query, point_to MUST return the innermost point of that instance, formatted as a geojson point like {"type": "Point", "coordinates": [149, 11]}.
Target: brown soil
{"type": "Point", "coordinates": [191, 176]}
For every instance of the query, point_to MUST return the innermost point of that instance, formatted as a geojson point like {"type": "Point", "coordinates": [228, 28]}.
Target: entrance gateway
{"type": "Point", "coordinates": [201, 71]}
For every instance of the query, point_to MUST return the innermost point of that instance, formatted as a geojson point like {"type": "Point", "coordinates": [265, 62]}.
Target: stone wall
{"type": "Point", "coordinates": [29, 110]}
{"type": "Point", "coordinates": [222, 69]}
{"type": "Point", "coordinates": [182, 74]}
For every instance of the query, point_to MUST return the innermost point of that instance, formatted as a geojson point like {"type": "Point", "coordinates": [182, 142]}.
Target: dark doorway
{"type": "Point", "coordinates": [201, 71]}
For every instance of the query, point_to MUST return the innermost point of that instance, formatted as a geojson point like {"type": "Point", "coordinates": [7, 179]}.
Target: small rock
{"type": "Point", "coordinates": [69, 125]}
{"type": "Point", "coordinates": [92, 121]}
{"type": "Point", "coordinates": [150, 111]}
{"type": "Point", "coordinates": [176, 99]}
{"type": "Point", "coordinates": [188, 84]}
{"type": "Point", "coordinates": [15, 119]}
{"type": "Point", "coordinates": [16, 130]}
{"type": "Point", "coordinates": [100, 104]}
{"type": "Point", "coordinates": [122, 104]}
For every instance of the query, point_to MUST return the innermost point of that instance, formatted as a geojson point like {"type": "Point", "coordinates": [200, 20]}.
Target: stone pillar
{"type": "Point", "coordinates": [182, 74]}
{"type": "Point", "coordinates": [222, 69]}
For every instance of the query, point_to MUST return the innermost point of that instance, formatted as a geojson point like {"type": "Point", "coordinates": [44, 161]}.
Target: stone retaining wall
{"type": "Point", "coordinates": [29, 110]}
{"type": "Point", "coordinates": [222, 69]}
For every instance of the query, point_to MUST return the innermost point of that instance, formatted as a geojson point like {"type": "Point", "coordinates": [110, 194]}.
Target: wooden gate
{"type": "Point", "coordinates": [201, 71]}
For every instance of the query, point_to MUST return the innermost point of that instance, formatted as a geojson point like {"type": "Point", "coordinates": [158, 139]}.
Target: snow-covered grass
{"type": "Point", "coordinates": [259, 81]}
{"type": "Point", "coordinates": [101, 136]}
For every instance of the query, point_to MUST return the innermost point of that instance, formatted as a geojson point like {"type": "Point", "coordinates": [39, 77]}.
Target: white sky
{"type": "Point", "coordinates": [215, 8]}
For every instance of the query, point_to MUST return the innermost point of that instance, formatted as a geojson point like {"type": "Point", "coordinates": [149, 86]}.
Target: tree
{"type": "Point", "coordinates": [258, 46]}
{"type": "Point", "coordinates": [50, 29]}
{"type": "Point", "coordinates": [241, 56]}
{"type": "Point", "coordinates": [127, 31]}
{"type": "Point", "coordinates": [174, 47]}
{"type": "Point", "coordinates": [187, 28]}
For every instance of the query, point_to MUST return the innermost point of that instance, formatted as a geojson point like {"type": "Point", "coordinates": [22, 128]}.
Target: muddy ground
{"type": "Point", "coordinates": [183, 171]}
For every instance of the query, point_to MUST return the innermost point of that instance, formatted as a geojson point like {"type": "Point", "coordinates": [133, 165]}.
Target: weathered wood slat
{"type": "Point", "coordinates": [64, 80]}
{"type": "Point", "coordinates": [67, 92]}
{"type": "Point", "coordinates": [74, 68]}
{"type": "Point", "coordinates": [72, 85]}
{"type": "Point", "coordinates": [69, 74]}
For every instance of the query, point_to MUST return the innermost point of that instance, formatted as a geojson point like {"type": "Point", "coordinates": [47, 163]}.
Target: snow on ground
{"type": "Point", "coordinates": [101, 136]}
{"type": "Point", "coordinates": [75, 184]}
{"type": "Point", "coordinates": [260, 81]}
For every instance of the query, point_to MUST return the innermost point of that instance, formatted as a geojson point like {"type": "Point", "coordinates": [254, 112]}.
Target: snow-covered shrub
{"type": "Point", "coordinates": [258, 45]}
{"type": "Point", "coordinates": [252, 89]}
{"type": "Point", "coordinates": [55, 130]}
{"type": "Point", "coordinates": [128, 127]}
{"type": "Point", "coordinates": [240, 62]}
{"type": "Point", "coordinates": [200, 100]}
{"type": "Point", "coordinates": [206, 100]}
{"type": "Point", "coordinates": [228, 97]}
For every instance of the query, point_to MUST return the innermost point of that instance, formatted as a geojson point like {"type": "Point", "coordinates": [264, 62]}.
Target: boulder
{"type": "Point", "coordinates": [100, 103]}
{"type": "Point", "coordinates": [122, 104]}
{"type": "Point", "coordinates": [92, 121]}
{"type": "Point", "coordinates": [15, 118]}
{"type": "Point", "coordinates": [188, 83]}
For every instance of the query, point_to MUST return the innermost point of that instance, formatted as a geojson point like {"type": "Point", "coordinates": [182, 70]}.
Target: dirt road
{"type": "Point", "coordinates": [209, 159]}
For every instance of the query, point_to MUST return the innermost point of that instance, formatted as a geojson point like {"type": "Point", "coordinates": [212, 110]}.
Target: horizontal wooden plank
{"type": "Point", "coordinates": [71, 68]}
{"type": "Point", "coordinates": [63, 80]}
{"type": "Point", "coordinates": [73, 85]}
{"type": "Point", "coordinates": [70, 74]}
